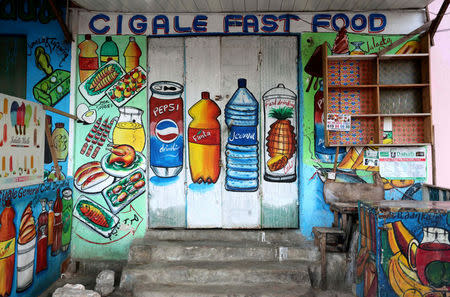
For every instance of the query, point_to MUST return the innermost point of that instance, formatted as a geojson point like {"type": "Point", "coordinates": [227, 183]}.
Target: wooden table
{"type": "Point", "coordinates": [345, 218]}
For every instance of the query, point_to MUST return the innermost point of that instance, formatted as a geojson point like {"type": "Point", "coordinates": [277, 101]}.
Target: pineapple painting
{"type": "Point", "coordinates": [281, 143]}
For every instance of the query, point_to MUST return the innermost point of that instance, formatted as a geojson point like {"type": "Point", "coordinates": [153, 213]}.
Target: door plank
{"type": "Point", "coordinates": [239, 59]}
{"type": "Point", "coordinates": [279, 199]}
{"type": "Point", "coordinates": [204, 201]}
{"type": "Point", "coordinates": [167, 202]}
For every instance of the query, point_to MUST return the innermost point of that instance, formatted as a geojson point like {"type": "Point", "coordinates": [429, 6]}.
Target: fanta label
{"type": "Point", "coordinates": [204, 136]}
{"type": "Point", "coordinates": [7, 248]}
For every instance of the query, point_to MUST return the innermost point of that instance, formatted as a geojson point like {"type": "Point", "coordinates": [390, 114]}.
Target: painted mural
{"type": "Point", "coordinates": [166, 129]}
{"type": "Point", "coordinates": [204, 141]}
{"type": "Point", "coordinates": [403, 252]}
{"type": "Point", "coordinates": [35, 236]}
{"type": "Point", "coordinates": [110, 147]}
{"type": "Point", "coordinates": [280, 111]}
{"type": "Point", "coordinates": [354, 164]}
{"type": "Point", "coordinates": [47, 70]}
{"type": "Point", "coordinates": [242, 152]}
{"type": "Point", "coordinates": [21, 143]}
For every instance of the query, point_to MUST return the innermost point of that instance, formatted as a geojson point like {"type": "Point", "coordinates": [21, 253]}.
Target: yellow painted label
{"type": "Point", "coordinates": [7, 248]}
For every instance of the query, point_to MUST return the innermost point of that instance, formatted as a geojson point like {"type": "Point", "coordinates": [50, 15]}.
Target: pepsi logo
{"type": "Point", "coordinates": [167, 131]}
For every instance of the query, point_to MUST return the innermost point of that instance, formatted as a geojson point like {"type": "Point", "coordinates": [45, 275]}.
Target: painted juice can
{"type": "Point", "coordinates": [280, 154]}
{"type": "Point", "coordinates": [166, 128]}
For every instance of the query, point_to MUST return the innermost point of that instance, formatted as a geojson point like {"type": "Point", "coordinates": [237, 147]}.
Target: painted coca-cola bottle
{"type": "Point", "coordinates": [57, 226]}
{"type": "Point", "coordinates": [41, 257]}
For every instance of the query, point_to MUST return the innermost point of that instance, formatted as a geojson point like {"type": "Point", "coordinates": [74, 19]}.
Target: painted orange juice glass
{"type": "Point", "coordinates": [129, 129]}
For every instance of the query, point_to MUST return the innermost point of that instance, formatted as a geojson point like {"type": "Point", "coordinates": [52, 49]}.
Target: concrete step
{"type": "Point", "coordinates": [146, 250]}
{"type": "Point", "coordinates": [216, 273]}
{"type": "Point", "coordinates": [265, 290]}
{"type": "Point", "coordinates": [268, 236]}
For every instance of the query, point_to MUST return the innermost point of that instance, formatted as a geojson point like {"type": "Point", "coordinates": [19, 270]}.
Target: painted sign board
{"type": "Point", "coordinates": [21, 142]}
{"type": "Point", "coordinates": [388, 22]}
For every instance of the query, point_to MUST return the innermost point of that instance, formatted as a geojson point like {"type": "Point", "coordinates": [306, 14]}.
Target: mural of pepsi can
{"type": "Point", "coordinates": [166, 128]}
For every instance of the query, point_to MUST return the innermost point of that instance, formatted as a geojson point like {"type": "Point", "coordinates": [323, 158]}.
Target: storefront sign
{"type": "Point", "coordinates": [239, 23]}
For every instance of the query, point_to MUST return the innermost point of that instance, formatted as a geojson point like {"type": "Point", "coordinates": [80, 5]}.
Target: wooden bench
{"type": "Point", "coordinates": [345, 217]}
{"type": "Point", "coordinates": [321, 236]}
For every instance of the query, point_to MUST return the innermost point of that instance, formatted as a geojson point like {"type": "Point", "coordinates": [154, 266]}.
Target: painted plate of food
{"type": "Point", "coordinates": [95, 86]}
{"type": "Point", "coordinates": [128, 86]}
{"type": "Point", "coordinates": [122, 160]}
{"type": "Point", "coordinates": [97, 217]}
{"type": "Point", "coordinates": [91, 178]}
{"type": "Point", "coordinates": [124, 191]}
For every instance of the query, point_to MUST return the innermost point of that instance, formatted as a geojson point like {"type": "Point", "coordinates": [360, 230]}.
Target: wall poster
{"type": "Point", "coordinates": [21, 142]}
{"type": "Point", "coordinates": [110, 151]}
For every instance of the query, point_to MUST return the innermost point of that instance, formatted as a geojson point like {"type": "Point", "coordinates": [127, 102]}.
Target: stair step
{"type": "Point", "coordinates": [145, 251]}
{"type": "Point", "coordinates": [216, 273]}
{"type": "Point", "coordinates": [267, 290]}
{"type": "Point", "coordinates": [270, 236]}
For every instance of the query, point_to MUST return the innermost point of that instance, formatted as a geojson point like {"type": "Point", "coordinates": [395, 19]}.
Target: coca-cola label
{"type": "Point", "coordinates": [243, 135]}
{"type": "Point", "coordinates": [204, 136]}
{"type": "Point", "coordinates": [85, 63]}
{"type": "Point", "coordinates": [7, 248]}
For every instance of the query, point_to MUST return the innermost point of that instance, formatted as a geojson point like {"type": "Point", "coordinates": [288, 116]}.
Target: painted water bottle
{"type": "Point", "coordinates": [241, 117]}
{"type": "Point", "coordinates": [88, 58]}
{"type": "Point", "coordinates": [67, 205]}
{"type": "Point", "coordinates": [41, 257]}
{"type": "Point", "coordinates": [132, 54]}
{"type": "Point", "coordinates": [8, 248]}
{"type": "Point", "coordinates": [108, 51]}
{"type": "Point", "coordinates": [204, 141]}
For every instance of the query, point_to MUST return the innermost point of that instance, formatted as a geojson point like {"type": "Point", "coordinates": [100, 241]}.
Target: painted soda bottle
{"type": "Point", "coordinates": [57, 226]}
{"type": "Point", "coordinates": [51, 222]}
{"type": "Point", "coordinates": [241, 117]}
{"type": "Point", "coordinates": [204, 141]}
{"type": "Point", "coordinates": [41, 257]}
{"type": "Point", "coordinates": [132, 54]}
{"type": "Point", "coordinates": [323, 153]}
{"type": "Point", "coordinates": [7, 249]}
{"type": "Point", "coordinates": [66, 218]}
{"type": "Point", "coordinates": [87, 58]}
{"type": "Point", "coordinates": [108, 51]}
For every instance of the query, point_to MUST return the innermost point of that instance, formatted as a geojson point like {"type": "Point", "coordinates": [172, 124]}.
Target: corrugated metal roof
{"type": "Point", "coordinates": [193, 6]}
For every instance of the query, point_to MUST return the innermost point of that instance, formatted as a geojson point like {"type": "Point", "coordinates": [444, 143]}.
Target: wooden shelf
{"type": "Point", "coordinates": [351, 86]}
{"type": "Point", "coordinates": [352, 57]}
{"type": "Point", "coordinates": [385, 115]}
{"type": "Point", "coordinates": [403, 86]}
{"type": "Point", "coordinates": [383, 144]}
{"type": "Point", "coordinates": [390, 86]}
{"type": "Point", "coordinates": [404, 56]}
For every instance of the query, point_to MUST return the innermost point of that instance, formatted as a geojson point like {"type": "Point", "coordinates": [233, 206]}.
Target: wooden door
{"type": "Point", "coordinates": [214, 65]}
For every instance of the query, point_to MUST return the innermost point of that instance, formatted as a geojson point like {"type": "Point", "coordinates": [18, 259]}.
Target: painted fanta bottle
{"type": "Point", "coordinates": [204, 141]}
{"type": "Point", "coordinates": [108, 51]}
{"type": "Point", "coordinates": [7, 249]}
{"type": "Point", "coordinates": [132, 54]}
{"type": "Point", "coordinates": [241, 117]}
{"type": "Point", "coordinates": [88, 58]}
